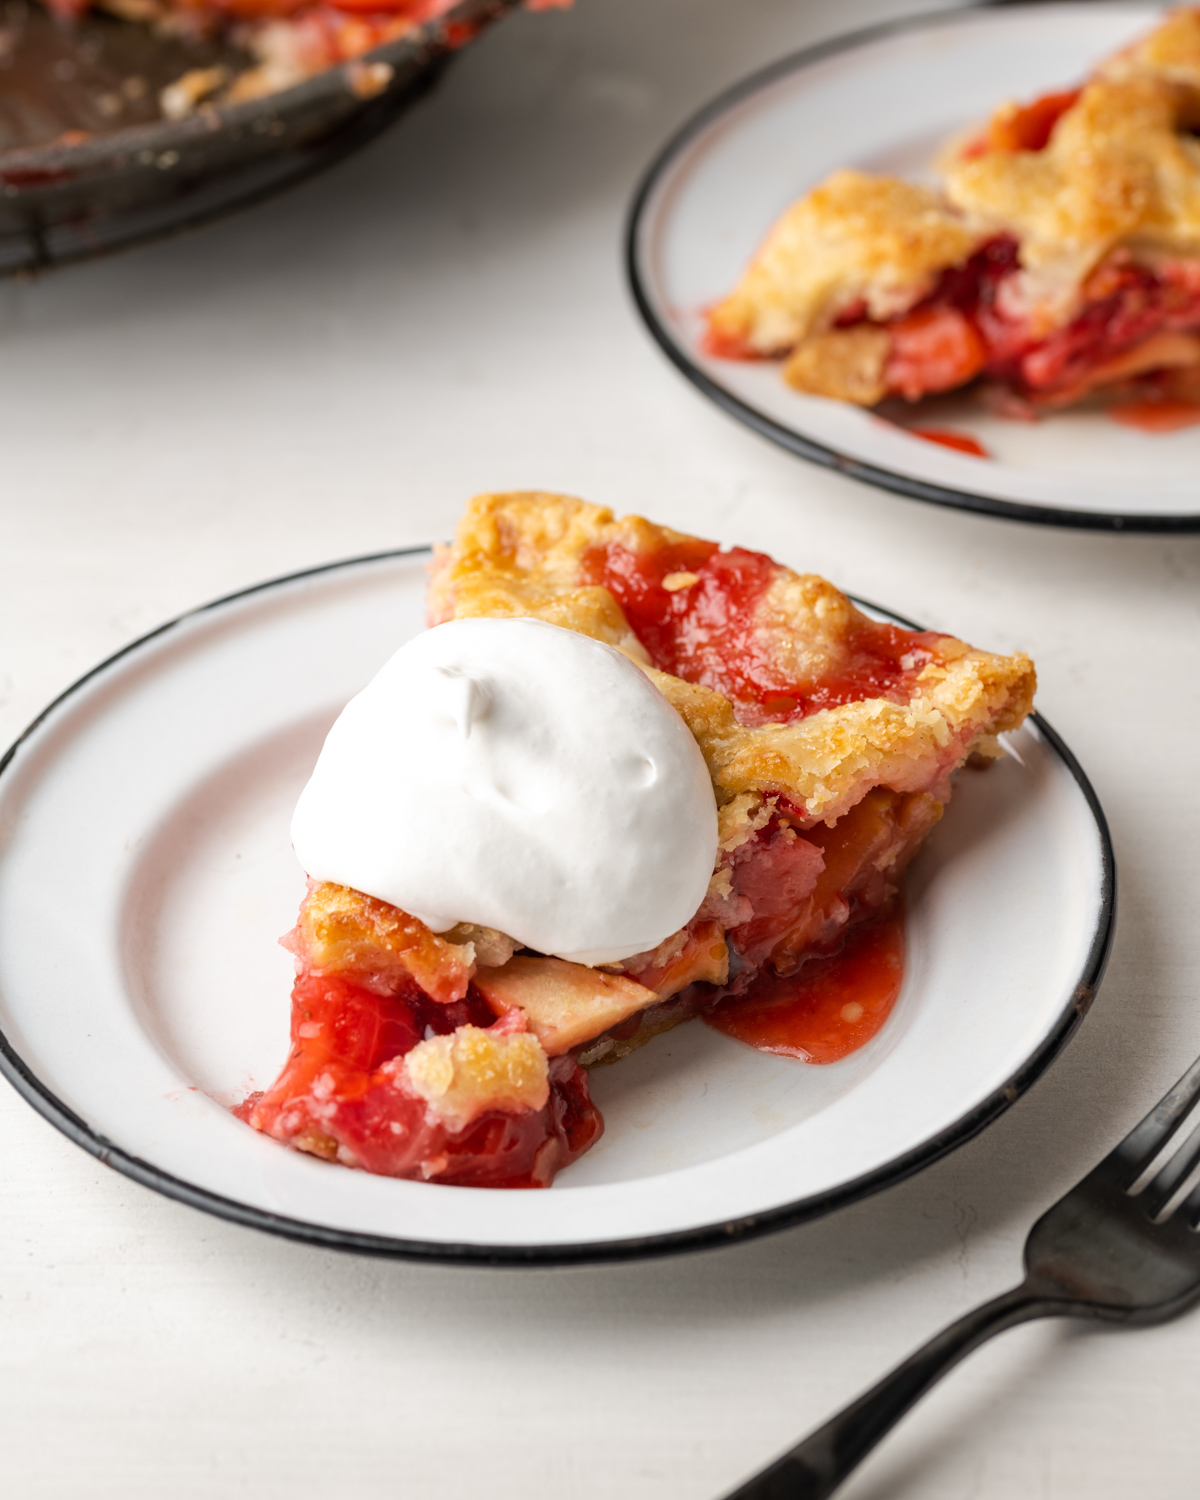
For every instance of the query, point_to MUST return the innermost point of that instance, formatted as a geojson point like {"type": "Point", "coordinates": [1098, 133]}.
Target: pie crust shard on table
{"type": "Point", "coordinates": [830, 739]}
{"type": "Point", "coordinates": [1059, 256]}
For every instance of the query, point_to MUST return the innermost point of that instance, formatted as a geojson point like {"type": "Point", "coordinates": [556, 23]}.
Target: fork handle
{"type": "Point", "coordinates": [815, 1467]}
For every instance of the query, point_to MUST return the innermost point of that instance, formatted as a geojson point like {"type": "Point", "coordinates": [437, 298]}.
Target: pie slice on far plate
{"type": "Point", "coordinates": [1057, 259]}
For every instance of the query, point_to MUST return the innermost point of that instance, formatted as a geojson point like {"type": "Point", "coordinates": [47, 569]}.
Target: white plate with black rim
{"type": "Point", "coordinates": [146, 874]}
{"type": "Point", "coordinates": [884, 100]}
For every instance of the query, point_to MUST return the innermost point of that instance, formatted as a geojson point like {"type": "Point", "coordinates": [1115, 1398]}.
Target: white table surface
{"type": "Point", "coordinates": [335, 373]}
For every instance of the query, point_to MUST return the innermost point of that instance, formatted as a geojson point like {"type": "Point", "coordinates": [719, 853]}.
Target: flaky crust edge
{"type": "Point", "coordinates": [521, 553]}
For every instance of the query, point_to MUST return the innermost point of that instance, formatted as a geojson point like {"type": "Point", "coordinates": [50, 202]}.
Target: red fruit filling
{"type": "Point", "coordinates": [1027, 128]}
{"type": "Point", "coordinates": [697, 611]}
{"type": "Point", "coordinates": [966, 327]}
{"type": "Point", "coordinates": [803, 890]}
{"type": "Point", "coordinates": [1133, 320]}
{"type": "Point", "coordinates": [339, 1097]}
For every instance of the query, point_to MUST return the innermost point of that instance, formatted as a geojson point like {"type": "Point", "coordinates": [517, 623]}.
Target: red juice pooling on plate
{"type": "Point", "coordinates": [1157, 416]}
{"type": "Point", "coordinates": [828, 1009]}
{"type": "Point", "coordinates": [961, 442]}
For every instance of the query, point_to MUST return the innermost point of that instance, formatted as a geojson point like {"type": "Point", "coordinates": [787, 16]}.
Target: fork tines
{"type": "Point", "coordinates": [1133, 1157]}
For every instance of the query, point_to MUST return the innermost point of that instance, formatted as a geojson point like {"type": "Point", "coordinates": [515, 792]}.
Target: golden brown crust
{"type": "Point", "coordinates": [341, 931]}
{"type": "Point", "coordinates": [471, 1071]}
{"type": "Point", "coordinates": [846, 364]}
{"type": "Point", "coordinates": [1115, 172]}
{"type": "Point", "coordinates": [827, 762]}
{"type": "Point", "coordinates": [523, 553]}
{"type": "Point", "coordinates": [1171, 52]}
{"type": "Point", "coordinates": [854, 237]}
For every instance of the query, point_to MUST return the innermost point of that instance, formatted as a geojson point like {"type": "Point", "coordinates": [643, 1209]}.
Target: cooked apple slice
{"type": "Point", "coordinates": [564, 1003]}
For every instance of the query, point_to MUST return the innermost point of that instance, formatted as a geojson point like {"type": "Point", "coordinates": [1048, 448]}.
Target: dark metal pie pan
{"type": "Point", "coordinates": [73, 185]}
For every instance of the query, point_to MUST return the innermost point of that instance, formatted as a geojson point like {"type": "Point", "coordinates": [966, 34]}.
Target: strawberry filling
{"type": "Point", "coordinates": [968, 327]}
{"type": "Point", "coordinates": [1132, 321]}
{"type": "Point", "coordinates": [338, 1095]}
{"type": "Point", "coordinates": [803, 889]}
{"type": "Point", "coordinates": [698, 612]}
{"type": "Point", "coordinates": [1026, 128]}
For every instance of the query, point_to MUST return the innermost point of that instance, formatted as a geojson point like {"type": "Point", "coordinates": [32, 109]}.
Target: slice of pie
{"type": "Point", "coordinates": [830, 739]}
{"type": "Point", "coordinates": [1059, 257]}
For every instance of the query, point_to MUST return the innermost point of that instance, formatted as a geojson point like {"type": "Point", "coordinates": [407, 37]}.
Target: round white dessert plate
{"type": "Point", "coordinates": [146, 875]}
{"type": "Point", "coordinates": [884, 100]}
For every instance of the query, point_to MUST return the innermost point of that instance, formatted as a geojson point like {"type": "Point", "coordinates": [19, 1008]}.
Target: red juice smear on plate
{"type": "Point", "coordinates": [961, 442]}
{"type": "Point", "coordinates": [1157, 416]}
{"type": "Point", "coordinates": [832, 1007]}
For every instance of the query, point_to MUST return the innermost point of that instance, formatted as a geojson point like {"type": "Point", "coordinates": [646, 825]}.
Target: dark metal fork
{"type": "Point", "coordinates": [1115, 1248]}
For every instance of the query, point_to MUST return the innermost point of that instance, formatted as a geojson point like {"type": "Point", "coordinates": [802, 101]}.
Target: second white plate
{"type": "Point", "coordinates": [146, 874]}
{"type": "Point", "coordinates": [885, 100]}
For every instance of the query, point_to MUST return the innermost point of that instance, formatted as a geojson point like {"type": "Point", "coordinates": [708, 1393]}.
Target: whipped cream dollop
{"type": "Point", "coordinates": [516, 775]}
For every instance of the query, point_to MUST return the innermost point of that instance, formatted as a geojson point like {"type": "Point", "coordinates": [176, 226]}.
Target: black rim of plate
{"type": "Point", "coordinates": [788, 437]}
{"type": "Point", "coordinates": [704, 1236]}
